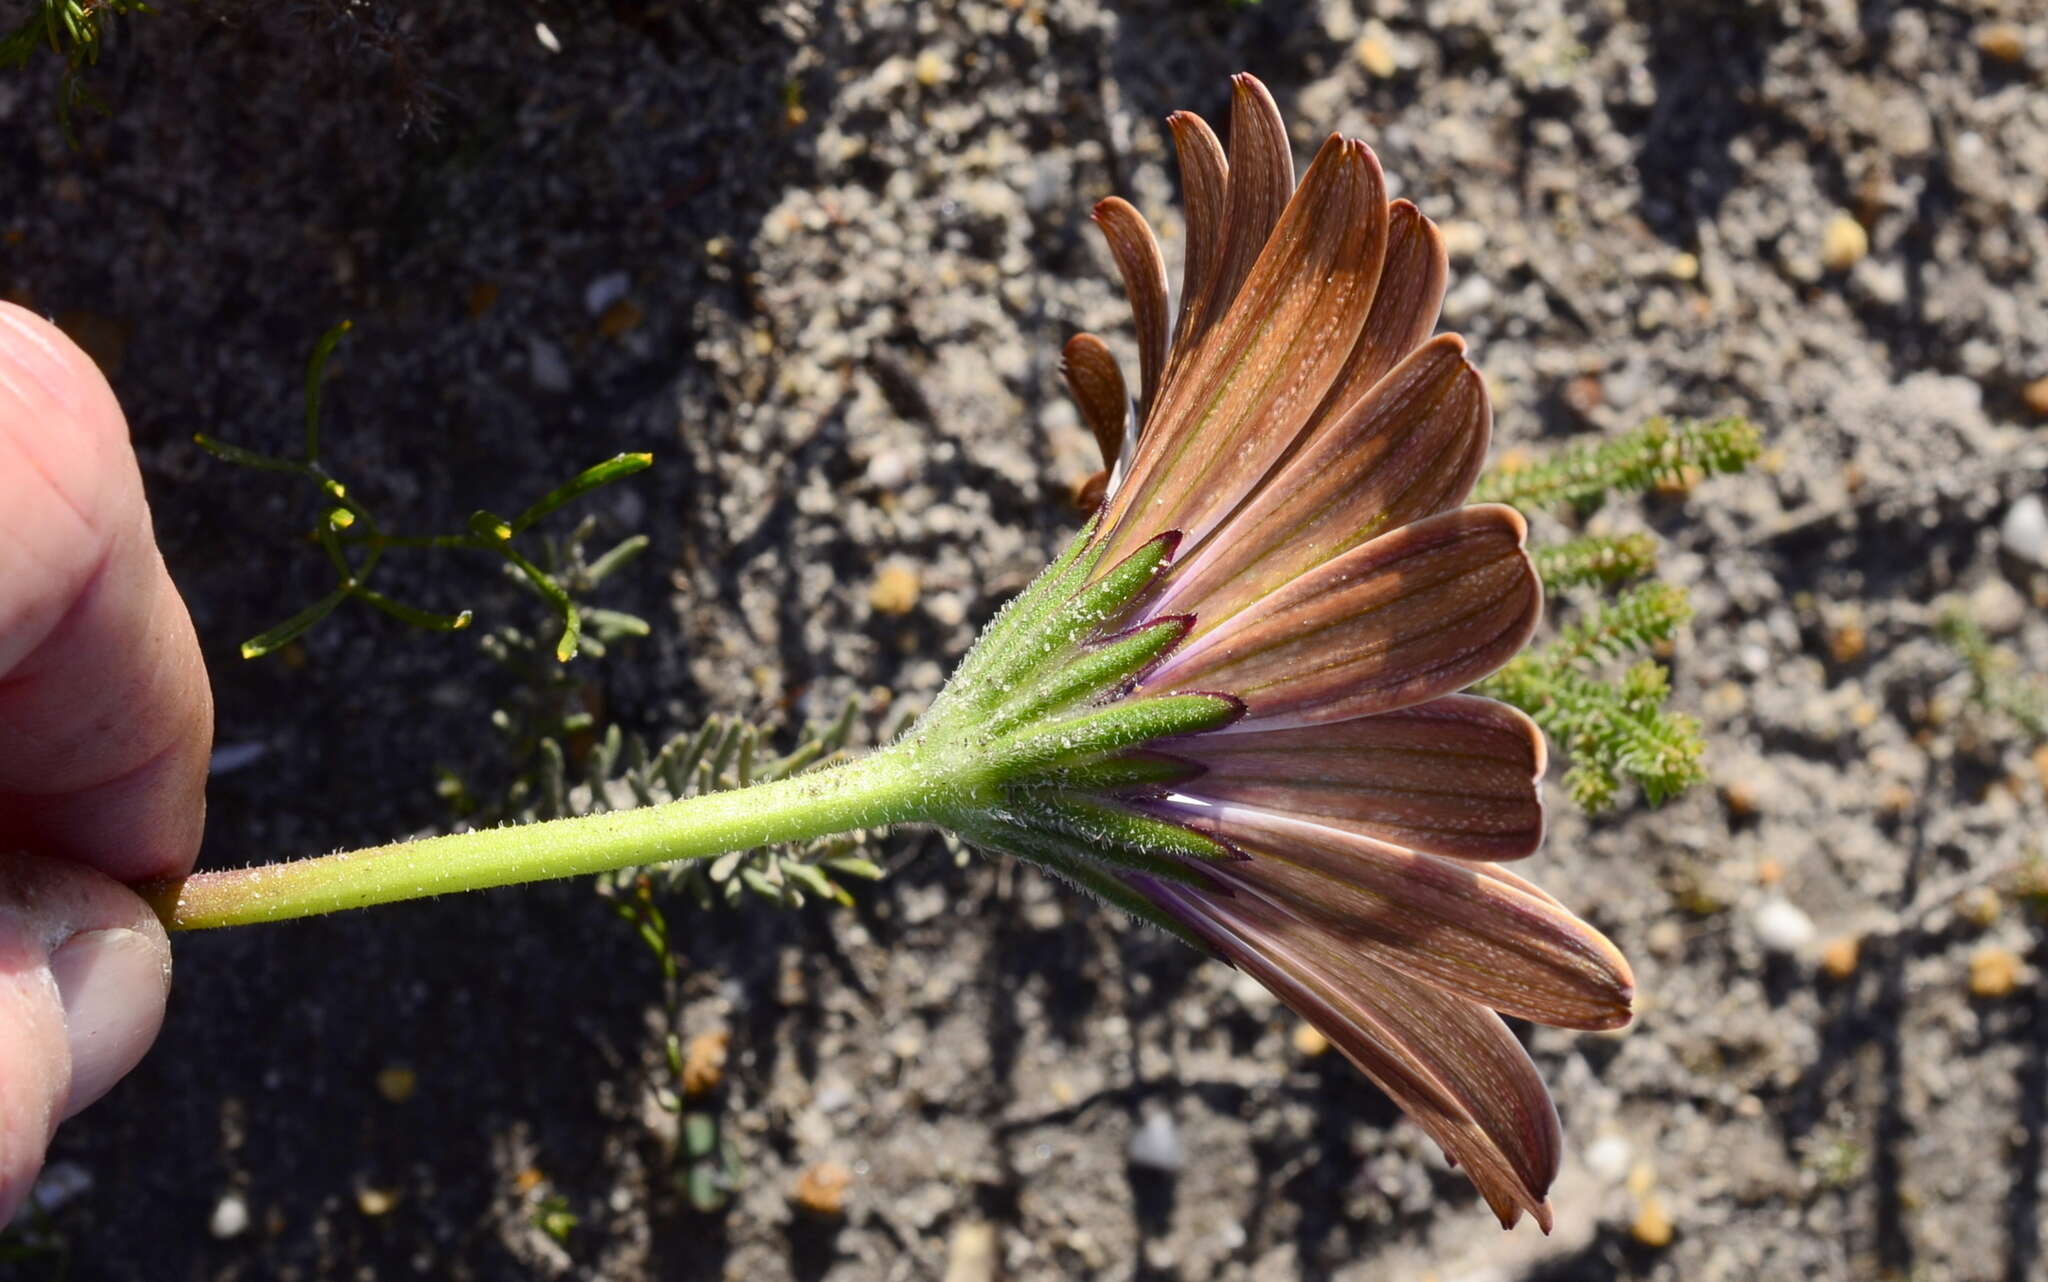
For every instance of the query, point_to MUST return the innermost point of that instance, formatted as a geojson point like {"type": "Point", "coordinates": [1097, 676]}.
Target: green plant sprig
{"type": "Point", "coordinates": [354, 541]}
{"type": "Point", "coordinates": [723, 754]}
{"type": "Point", "coordinates": [71, 30]}
{"type": "Point", "coordinates": [1595, 559]}
{"type": "Point", "coordinates": [1615, 728]}
{"type": "Point", "coordinates": [1996, 681]}
{"type": "Point", "coordinates": [1657, 453]}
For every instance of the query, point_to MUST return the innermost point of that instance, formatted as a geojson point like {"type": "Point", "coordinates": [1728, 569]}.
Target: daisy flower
{"type": "Point", "coordinates": [1231, 706]}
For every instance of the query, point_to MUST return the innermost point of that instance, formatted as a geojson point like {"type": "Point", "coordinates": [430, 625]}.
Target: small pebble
{"type": "Point", "coordinates": [376, 1202]}
{"type": "Point", "coordinates": [547, 365]}
{"type": "Point", "coordinates": [932, 69]}
{"type": "Point", "coordinates": [1895, 799]}
{"type": "Point", "coordinates": [1994, 971]}
{"type": "Point", "coordinates": [1463, 238]}
{"type": "Point", "coordinates": [2002, 42]}
{"type": "Point", "coordinates": [397, 1083]}
{"type": "Point", "coordinates": [971, 1253]}
{"type": "Point", "coordinates": [1309, 1040]}
{"type": "Point", "coordinates": [230, 757]}
{"type": "Point", "coordinates": [1375, 51]}
{"type": "Point", "coordinates": [2024, 531]}
{"type": "Point", "coordinates": [1156, 1144]}
{"type": "Point", "coordinates": [821, 1189]}
{"type": "Point", "coordinates": [1665, 938]}
{"type": "Point", "coordinates": [895, 590]}
{"type": "Point", "coordinates": [2035, 394]}
{"type": "Point", "coordinates": [230, 1217]}
{"type": "Point", "coordinates": [890, 470]}
{"type": "Point", "coordinates": [1839, 955]}
{"type": "Point", "coordinates": [1843, 243]}
{"type": "Point", "coordinates": [1997, 607]}
{"type": "Point", "coordinates": [605, 290]}
{"type": "Point", "coordinates": [1683, 266]}
{"type": "Point", "coordinates": [1781, 927]}
{"type": "Point", "coordinates": [1979, 906]}
{"type": "Point", "coordinates": [59, 1185]}
{"type": "Point", "coordinates": [1608, 1158]}
{"type": "Point", "coordinates": [620, 319]}
{"type": "Point", "coordinates": [704, 1062]}
{"type": "Point", "coordinates": [1652, 1225]}
{"type": "Point", "coordinates": [948, 609]}
{"type": "Point", "coordinates": [1847, 642]}
{"type": "Point", "coordinates": [1642, 1177]}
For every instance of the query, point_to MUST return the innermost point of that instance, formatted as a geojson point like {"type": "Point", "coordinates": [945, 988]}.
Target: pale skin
{"type": "Point", "coordinates": [106, 721]}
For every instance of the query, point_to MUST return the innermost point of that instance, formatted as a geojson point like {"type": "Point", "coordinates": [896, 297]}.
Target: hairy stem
{"type": "Point", "coordinates": [886, 787]}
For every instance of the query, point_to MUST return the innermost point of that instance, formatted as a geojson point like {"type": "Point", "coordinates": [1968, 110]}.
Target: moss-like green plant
{"type": "Point", "coordinates": [1657, 454]}
{"type": "Point", "coordinates": [1615, 728]}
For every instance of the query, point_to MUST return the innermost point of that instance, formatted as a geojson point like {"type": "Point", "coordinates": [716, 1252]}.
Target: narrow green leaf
{"type": "Point", "coordinates": [291, 629]}
{"type": "Point", "coordinates": [820, 885]}
{"type": "Point", "coordinates": [626, 549]}
{"type": "Point", "coordinates": [247, 458]}
{"type": "Point", "coordinates": [612, 469]}
{"type": "Point", "coordinates": [316, 370]}
{"type": "Point", "coordinates": [855, 866]}
{"type": "Point", "coordinates": [416, 617]}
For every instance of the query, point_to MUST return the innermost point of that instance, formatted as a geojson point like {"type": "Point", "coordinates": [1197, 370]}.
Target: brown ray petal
{"type": "Point", "coordinates": [1416, 613]}
{"type": "Point", "coordinates": [1409, 448]}
{"type": "Point", "coordinates": [1086, 493]}
{"type": "Point", "coordinates": [1143, 268]}
{"type": "Point", "coordinates": [1204, 180]}
{"type": "Point", "coordinates": [1457, 776]}
{"type": "Point", "coordinates": [1437, 920]}
{"type": "Point", "coordinates": [1450, 1065]}
{"type": "Point", "coordinates": [1516, 881]}
{"type": "Point", "coordinates": [1096, 382]}
{"type": "Point", "coordinates": [1261, 180]}
{"type": "Point", "coordinates": [1241, 200]}
{"type": "Point", "coordinates": [1220, 423]}
{"type": "Point", "coordinates": [1405, 308]}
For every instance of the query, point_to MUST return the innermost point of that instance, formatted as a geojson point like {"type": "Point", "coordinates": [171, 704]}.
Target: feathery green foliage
{"type": "Point", "coordinates": [1614, 731]}
{"type": "Point", "coordinates": [1996, 683]}
{"type": "Point", "coordinates": [1658, 453]}
{"type": "Point", "coordinates": [617, 771]}
{"type": "Point", "coordinates": [70, 30]}
{"type": "Point", "coordinates": [1614, 727]}
{"type": "Point", "coordinates": [1637, 620]}
{"type": "Point", "coordinates": [355, 552]}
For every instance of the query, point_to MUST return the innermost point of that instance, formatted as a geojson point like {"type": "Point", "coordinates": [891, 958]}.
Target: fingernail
{"type": "Point", "coordinates": [112, 986]}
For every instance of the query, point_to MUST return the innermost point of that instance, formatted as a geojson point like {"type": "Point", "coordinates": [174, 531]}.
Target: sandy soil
{"type": "Point", "coordinates": [832, 253]}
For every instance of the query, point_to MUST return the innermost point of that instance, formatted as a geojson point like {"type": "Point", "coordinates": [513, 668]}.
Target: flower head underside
{"type": "Point", "coordinates": [1231, 705]}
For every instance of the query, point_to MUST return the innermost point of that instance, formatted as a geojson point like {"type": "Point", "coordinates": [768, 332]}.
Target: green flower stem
{"type": "Point", "coordinates": [892, 786]}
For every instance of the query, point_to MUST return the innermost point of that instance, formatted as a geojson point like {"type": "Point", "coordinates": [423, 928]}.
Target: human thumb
{"type": "Point", "coordinates": [84, 970]}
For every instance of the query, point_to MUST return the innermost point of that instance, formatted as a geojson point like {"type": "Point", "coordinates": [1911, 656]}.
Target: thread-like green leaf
{"type": "Point", "coordinates": [291, 629]}
{"type": "Point", "coordinates": [612, 469]}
